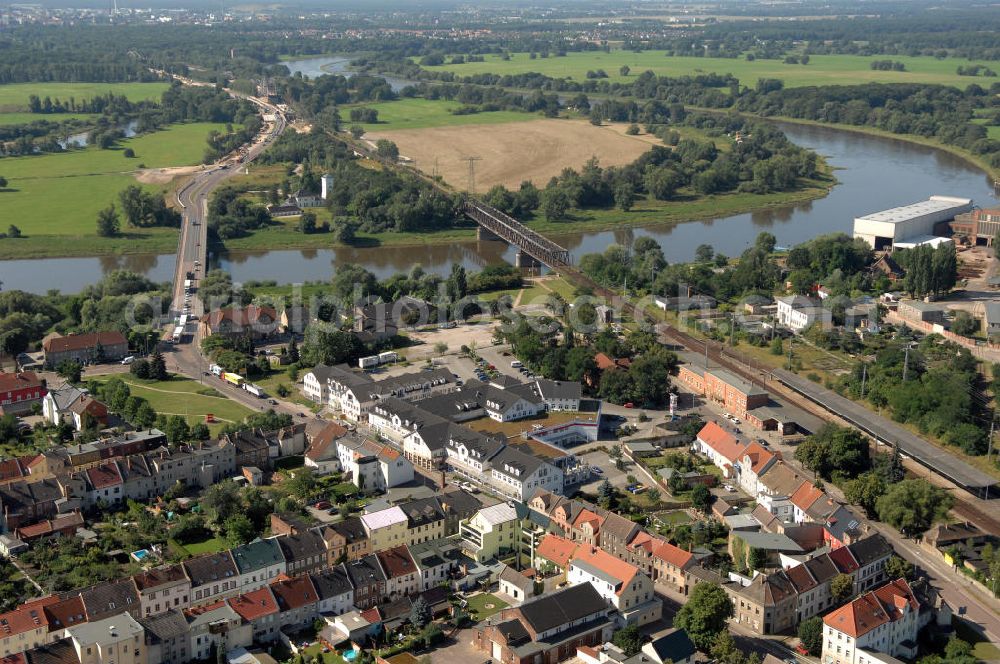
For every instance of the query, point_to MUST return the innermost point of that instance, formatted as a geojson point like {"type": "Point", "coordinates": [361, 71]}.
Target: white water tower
{"type": "Point", "coordinates": [327, 183]}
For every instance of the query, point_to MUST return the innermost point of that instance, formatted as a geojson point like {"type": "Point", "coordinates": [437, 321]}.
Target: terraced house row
{"type": "Point", "coordinates": [132, 466]}
{"type": "Point", "coordinates": [109, 624]}
{"type": "Point", "coordinates": [284, 582]}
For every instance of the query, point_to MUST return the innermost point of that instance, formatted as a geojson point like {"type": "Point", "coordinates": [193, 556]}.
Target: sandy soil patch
{"type": "Point", "coordinates": [164, 175]}
{"type": "Point", "coordinates": [622, 127]}
{"type": "Point", "coordinates": [513, 152]}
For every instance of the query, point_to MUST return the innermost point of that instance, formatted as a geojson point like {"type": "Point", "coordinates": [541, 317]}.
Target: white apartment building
{"type": "Point", "coordinates": [623, 585]}
{"type": "Point", "coordinates": [885, 620]}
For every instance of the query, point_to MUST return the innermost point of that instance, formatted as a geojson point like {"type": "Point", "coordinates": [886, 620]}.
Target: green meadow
{"type": "Point", "coordinates": [821, 70]}
{"type": "Point", "coordinates": [19, 117]}
{"type": "Point", "coordinates": [14, 96]}
{"type": "Point", "coordinates": [54, 198]}
{"type": "Point", "coordinates": [183, 396]}
{"type": "Point", "coordinates": [416, 113]}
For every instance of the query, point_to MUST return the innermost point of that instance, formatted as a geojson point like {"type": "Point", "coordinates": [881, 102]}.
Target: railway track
{"type": "Point", "coordinates": [967, 506]}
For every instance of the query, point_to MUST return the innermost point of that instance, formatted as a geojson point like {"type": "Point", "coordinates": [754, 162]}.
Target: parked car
{"type": "Point", "coordinates": [323, 505]}
{"type": "Point", "coordinates": [597, 470]}
{"type": "Point", "coordinates": [630, 405]}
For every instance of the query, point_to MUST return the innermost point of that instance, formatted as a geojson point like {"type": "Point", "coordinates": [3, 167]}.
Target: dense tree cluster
{"type": "Point", "coordinates": [835, 453]}
{"type": "Point", "coordinates": [143, 209]}
{"type": "Point", "coordinates": [937, 395]}
{"type": "Point", "coordinates": [107, 305]}
{"type": "Point", "coordinates": [367, 199]}
{"type": "Point", "coordinates": [231, 216]}
{"type": "Point", "coordinates": [837, 261]}
{"type": "Point", "coordinates": [704, 614]}
{"type": "Point", "coordinates": [760, 162]}
{"type": "Point", "coordinates": [929, 271]}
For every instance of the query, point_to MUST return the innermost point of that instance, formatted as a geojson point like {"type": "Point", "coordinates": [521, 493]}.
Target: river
{"type": "Point", "coordinates": [874, 173]}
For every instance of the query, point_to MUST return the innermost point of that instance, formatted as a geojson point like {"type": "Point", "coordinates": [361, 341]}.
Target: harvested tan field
{"type": "Point", "coordinates": [513, 152]}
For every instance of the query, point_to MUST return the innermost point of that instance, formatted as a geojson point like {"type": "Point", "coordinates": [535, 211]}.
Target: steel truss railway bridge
{"type": "Point", "coordinates": [532, 248]}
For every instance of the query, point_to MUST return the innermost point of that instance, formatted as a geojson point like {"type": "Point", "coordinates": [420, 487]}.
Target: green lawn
{"type": "Point", "coordinates": [26, 118]}
{"type": "Point", "coordinates": [416, 113]}
{"type": "Point", "coordinates": [561, 286]}
{"type": "Point", "coordinates": [54, 198]}
{"type": "Point", "coordinates": [821, 70]}
{"type": "Point", "coordinates": [477, 606]}
{"type": "Point", "coordinates": [316, 651]}
{"type": "Point", "coordinates": [992, 132]}
{"type": "Point", "coordinates": [675, 518]}
{"type": "Point", "coordinates": [14, 96]}
{"type": "Point", "coordinates": [183, 396]}
{"type": "Point", "coordinates": [213, 545]}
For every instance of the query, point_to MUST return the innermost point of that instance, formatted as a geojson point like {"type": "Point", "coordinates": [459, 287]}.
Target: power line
{"type": "Point", "coordinates": [472, 173]}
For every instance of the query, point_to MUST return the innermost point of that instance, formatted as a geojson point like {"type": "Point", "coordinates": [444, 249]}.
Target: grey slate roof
{"type": "Point", "coordinates": [618, 526]}
{"type": "Point", "coordinates": [559, 389]}
{"type": "Point", "coordinates": [480, 446]}
{"type": "Point", "coordinates": [331, 583]}
{"type": "Point", "coordinates": [165, 626]}
{"type": "Point", "coordinates": [675, 646]}
{"type": "Point", "coordinates": [65, 396]}
{"type": "Point", "coordinates": [211, 568]}
{"type": "Point", "coordinates": [870, 549]}
{"type": "Point", "coordinates": [301, 546]}
{"type": "Point", "coordinates": [515, 463]}
{"type": "Point", "coordinates": [821, 568]}
{"type": "Point", "coordinates": [563, 607]}
{"type": "Point", "coordinates": [350, 529]}
{"type": "Point", "coordinates": [512, 576]}
{"type": "Point", "coordinates": [365, 571]}
{"type": "Point", "coordinates": [422, 511]}
{"type": "Point", "coordinates": [768, 541]}
{"type": "Point", "coordinates": [110, 598]}
{"type": "Point", "coordinates": [460, 502]}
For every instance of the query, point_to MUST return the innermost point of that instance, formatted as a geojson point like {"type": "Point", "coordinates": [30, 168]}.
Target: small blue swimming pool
{"type": "Point", "coordinates": [349, 655]}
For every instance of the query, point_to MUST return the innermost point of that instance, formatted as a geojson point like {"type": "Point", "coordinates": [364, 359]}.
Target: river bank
{"type": "Point", "coordinates": [872, 174]}
{"type": "Point", "coordinates": [284, 234]}
{"type": "Point", "coordinates": [645, 213]}
{"type": "Point", "coordinates": [962, 153]}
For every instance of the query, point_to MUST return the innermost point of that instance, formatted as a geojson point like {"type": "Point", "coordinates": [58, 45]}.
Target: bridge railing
{"type": "Point", "coordinates": [507, 228]}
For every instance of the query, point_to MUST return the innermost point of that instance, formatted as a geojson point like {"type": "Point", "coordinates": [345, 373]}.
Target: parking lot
{"type": "Point", "coordinates": [600, 459]}
{"type": "Point", "coordinates": [479, 335]}
{"type": "Point", "coordinates": [495, 355]}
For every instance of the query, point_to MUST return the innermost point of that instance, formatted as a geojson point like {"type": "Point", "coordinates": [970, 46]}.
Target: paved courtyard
{"type": "Point", "coordinates": [459, 651]}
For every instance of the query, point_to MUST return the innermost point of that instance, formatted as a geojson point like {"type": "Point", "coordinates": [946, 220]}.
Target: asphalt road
{"type": "Point", "coordinates": [192, 254]}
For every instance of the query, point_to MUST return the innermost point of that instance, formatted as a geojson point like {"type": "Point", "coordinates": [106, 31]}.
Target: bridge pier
{"type": "Point", "coordinates": [486, 234]}
{"type": "Point", "coordinates": [526, 260]}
